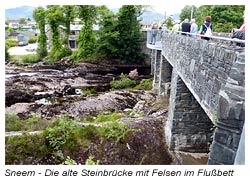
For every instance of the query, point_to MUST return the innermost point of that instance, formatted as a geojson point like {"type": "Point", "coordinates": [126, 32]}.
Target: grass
{"type": "Point", "coordinates": [34, 123]}
{"type": "Point", "coordinates": [111, 116]}
{"type": "Point", "coordinates": [108, 117]}
{"type": "Point", "coordinates": [24, 59]}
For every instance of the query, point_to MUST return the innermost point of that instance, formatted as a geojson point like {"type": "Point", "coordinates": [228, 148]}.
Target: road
{"type": "Point", "coordinates": [22, 50]}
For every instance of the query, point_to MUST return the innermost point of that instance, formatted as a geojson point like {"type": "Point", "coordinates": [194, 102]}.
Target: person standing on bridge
{"type": "Point", "coordinates": [154, 32]}
{"type": "Point", "coordinates": [240, 33]}
{"type": "Point", "coordinates": [176, 26]}
{"type": "Point", "coordinates": [194, 28]}
{"type": "Point", "coordinates": [185, 27]}
{"type": "Point", "coordinates": [207, 26]}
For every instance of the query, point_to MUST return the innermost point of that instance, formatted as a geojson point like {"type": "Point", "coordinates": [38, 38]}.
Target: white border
{"type": "Point", "coordinates": [240, 171]}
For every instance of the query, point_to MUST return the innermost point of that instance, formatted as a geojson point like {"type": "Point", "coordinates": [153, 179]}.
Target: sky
{"type": "Point", "coordinates": [161, 6]}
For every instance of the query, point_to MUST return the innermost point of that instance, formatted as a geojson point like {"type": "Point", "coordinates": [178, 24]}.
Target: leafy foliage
{"type": "Point", "coordinates": [54, 17]}
{"type": "Point", "coordinates": [186, 12]}
{"type": "Point", "coordinates": [107, 35]}
{"type": "Point", "coordinates": [32, 40]}
{"type": "Point", "coordinates": [115, 130]}
{"type": "Point", "coordinates": [11, 43]}
{"type": "Point", "coordinates": [124, 82]}
{"type": "Point", "coordinates": [58, 134]}
{"type": "Point", "coordinates": [169, 22]}
{"type": "Point", "coordinates": [86, 38]}
{"type": "Point", "coordinates": [39, 16]}
{"type": "Point", "coordinates": [87, 91]}
{"type": "Point", "coordinates": [145, 84]}
{"type": "Point", "coordinates": [69, 161]}
{"type": "Point", "coordinates": [224, 17]}
{"type": "Point", "coordinates": [20, 149]}
{"type": "Point", "coordinates": [91, 161]}
{"type": "Point", "coordinates": [128, 28]}
{"type": "Point", "coordinates": [69, 14]}
{"type": "Point", "coordinates": [24, 59]}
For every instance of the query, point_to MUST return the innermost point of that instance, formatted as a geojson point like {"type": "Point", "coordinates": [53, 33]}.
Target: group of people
{"type": "Point", "coordinates": [185, 27]}
{"type": "Point", "coordinates": [155, 30]}
{"type": "Point", "coordinates": [191, 28]}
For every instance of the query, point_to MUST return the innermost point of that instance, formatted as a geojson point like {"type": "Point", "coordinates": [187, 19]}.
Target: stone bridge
{"type": "Point", "coordinates": [205, 83]}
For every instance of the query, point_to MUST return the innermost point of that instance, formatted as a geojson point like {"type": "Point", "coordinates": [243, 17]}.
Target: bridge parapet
{"type": "Point", "coordinates": [203, 66]}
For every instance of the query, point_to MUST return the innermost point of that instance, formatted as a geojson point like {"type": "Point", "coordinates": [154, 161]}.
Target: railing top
{"type": "Point", "coordinates": [212, 37]}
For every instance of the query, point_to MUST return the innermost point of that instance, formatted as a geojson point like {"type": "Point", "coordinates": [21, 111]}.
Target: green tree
{"type": "Point", "coordinates": [169, 22]}
{"type": "Point", "coordinates": [226, 17]}
{"type": "Point", "coordinates": [186, 12]}
{"type": "Point", "coordinates": [203, 11]}
{"type": "Point", "coordinates": [107, 35]}
{"type": "Point", "coordinates": [54, 17]}
{"type": "Point", "coordinates": [22, 21]}
{"type": "Point", "coordinates": [128, 27]}
{"type": "Point", "coordinates": [86, 38]}
{"type": "Point", "coordinates": [39, 17]}
{"type": "Point", "coordinates": [223, 17]}
{"type": "Point", "coordinates": [69, 15]}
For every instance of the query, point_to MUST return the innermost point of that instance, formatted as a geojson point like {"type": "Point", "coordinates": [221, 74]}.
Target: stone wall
{"type": "Point", "coordinates": [231, 116]}
{"type": "Point", "coordinates": [203, 66]}
{"type": "Point", "coordinates": [188, 128]}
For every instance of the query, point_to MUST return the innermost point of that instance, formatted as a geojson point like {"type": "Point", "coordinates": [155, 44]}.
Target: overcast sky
{"type": "Point", "coordinates": [161, 6]}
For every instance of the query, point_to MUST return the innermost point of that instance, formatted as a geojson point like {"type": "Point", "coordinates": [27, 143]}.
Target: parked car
{"type": "Point", "coordinates": [21, 43]}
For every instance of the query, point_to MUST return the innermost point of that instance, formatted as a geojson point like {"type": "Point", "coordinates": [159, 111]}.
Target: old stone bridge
{"type": "Point", "coordinates": [205, 83]}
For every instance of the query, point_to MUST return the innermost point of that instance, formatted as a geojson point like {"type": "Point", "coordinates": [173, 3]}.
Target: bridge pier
{"type": "Point", "coordinates": [188, 128]}
{"type": "Point", "coordinates": [156, 61]}
{"type": "Point", "coordinates": [164, 77]}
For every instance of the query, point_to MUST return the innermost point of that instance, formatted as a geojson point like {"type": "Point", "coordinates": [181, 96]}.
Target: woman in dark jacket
{"type": "Point", "coordinates": [207, 24]}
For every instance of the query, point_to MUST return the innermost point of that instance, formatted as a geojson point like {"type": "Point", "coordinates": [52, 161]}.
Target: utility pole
{"type": "Point", "coordinates": [192, 9]}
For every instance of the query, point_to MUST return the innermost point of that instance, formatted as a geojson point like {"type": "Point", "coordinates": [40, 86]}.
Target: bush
{"type": "Point", "coordinates": [25, 59]}
{"type": "Point", "coordinates": [58, 134]}
{"type": "Point", "coordinates": [124, 82]}
{"type": "Point", "coordinates": [87, 91]}
{"type": "Point", "coordinates": [58, 54]}
{"type": "Point", "coordinates": [90, 161]}
{"type": "Point", "coordinates": [34, 123]}
{"type": "Point", "coordinates": [30, 59]}
{"type": "Point", "coordinates": [11, 43]}
{"type": "Point", "coordinates": [145, 84]}
{"type": "Point", "coordinates": [25, 149]}
{"type": "Point", "coordinates": [12, 123]}
{"type": "Point", "coordinates": [115, 130]}
{"type": "Point", "coordinates": [32, 40]}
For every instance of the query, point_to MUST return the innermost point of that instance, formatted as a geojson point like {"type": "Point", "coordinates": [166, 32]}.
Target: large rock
{"type": "Point", "coordinates": [144, 145]}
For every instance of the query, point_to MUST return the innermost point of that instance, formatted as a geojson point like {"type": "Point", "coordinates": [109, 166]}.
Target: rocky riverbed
{"type": "Point", "coordinates": [50, 92]}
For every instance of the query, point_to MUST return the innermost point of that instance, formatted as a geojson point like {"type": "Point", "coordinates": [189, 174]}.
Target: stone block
{"type": "Point", "coordinates": [222, 154]}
